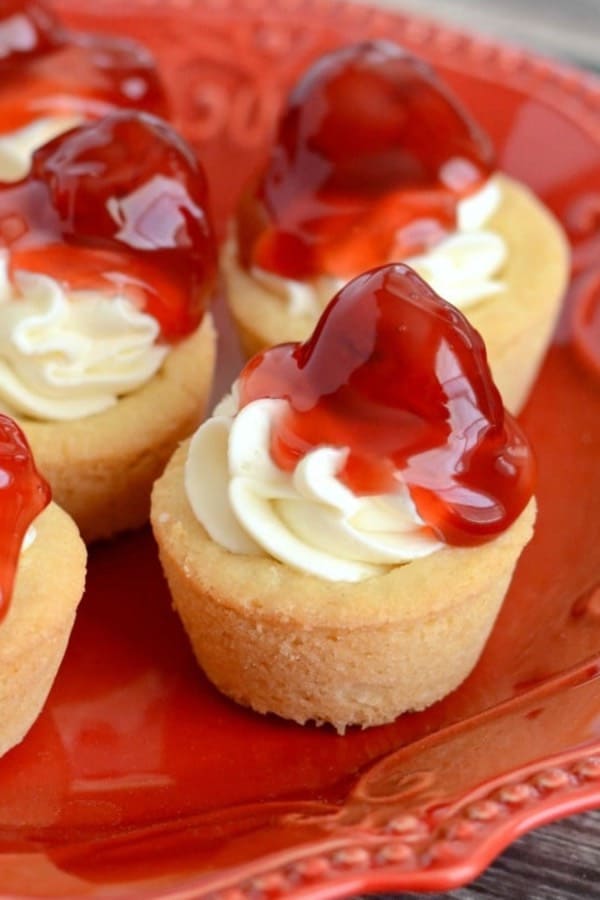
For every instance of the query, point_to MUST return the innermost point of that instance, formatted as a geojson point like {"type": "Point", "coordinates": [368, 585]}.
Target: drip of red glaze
{"type": "Point", "coordinates": [400, 377]}
{"type": "Point", "coordinates": [370, 160]}
{"type": "Point", "coordinates": [46, 70]}
{"type": "Point", "coordinates": [119, 204]}
{"type": "Point", "coordinates": [23, 495]}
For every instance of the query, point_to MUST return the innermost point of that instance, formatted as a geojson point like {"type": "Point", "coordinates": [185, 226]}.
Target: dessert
{"type": "Point", "coordinates": [107, 261]}
{"type": "Point", "coordinates": [375, 161]}
{"type": "Point", "coordinates": [53, 79]}
{"type": "Point", "coordinates": [38, 599]}
{"type": "Point", "coordinates": [339, 536]}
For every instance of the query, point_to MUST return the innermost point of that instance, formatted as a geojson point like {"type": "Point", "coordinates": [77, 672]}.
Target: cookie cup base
{"type": "Point", "coordinates": [34, 635]}
{"type": "Point", "coordinates": [102, 468]}
{"type": "Point", "coordinates": [284, 642]}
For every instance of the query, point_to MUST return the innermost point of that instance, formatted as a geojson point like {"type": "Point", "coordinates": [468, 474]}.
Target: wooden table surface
{"type": "Point", "coordinates": [562, 860]}
{"type": "Point", "coordinates": [568, 29]}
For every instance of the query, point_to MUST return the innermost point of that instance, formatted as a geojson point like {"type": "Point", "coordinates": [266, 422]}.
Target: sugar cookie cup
{"type": "Point", "coordinates": [107, 347]}
{"type": "Point", "coordinates": [35, 633]}
{"type": "Point", "coordinates": [339, 536]}
{"type": "Point", "coordinates": [284, 642]}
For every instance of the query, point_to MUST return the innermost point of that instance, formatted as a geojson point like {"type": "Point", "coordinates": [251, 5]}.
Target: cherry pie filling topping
{"type": "Point", "coordinates": [117, 205]}
{"type": "Point", "coordinates": [371, 158]}
{"type": "Point", "coordinates": [399, 377]}
{"type": "Point", "coordinates": [23, 495]}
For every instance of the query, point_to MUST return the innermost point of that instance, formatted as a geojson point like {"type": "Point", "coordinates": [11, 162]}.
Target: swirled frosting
{"type": "Point", "coordinates": [465, 267]}
{"type": "Point", "coordinates": [65, 355]}
{"type": "Point", "coordinates": [308, 518]}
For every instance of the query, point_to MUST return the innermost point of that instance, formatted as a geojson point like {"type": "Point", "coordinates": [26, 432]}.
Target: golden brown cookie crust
{"type": "Point", "coordinates": [33, 637]}
{"type": "Point", "coordinates": [516, 324]}
{"type": "Point", "coordinates": [285, 642]}
{"type": "Point", "coordinates": [101, 468]}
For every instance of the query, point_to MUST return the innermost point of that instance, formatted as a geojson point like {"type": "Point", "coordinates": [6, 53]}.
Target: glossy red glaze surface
{"type": "Point", "coordinates": [27, 28]}
{"type": "Point", "coordinates": [47, 70]}
{"type": "Point", "coordinates": [117, 205]}
{"type": "Point", "coordinates": [399, 377]}
{"type": "Point", "coordinates": [139, 780]}
{"type": "Point", "coordinates": [23, 495]}
{"type": "Point", "coordinates": [371, 156]}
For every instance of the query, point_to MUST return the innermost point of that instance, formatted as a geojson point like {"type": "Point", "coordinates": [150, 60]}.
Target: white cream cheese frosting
{"type": "Point", "coordinates": [17, 147]}
{"type": "Point", "coordinates": [307, 518]}
{"type": "Point", "coordinates": [29, 538]}
{"type": "Point", "coordinates": [65, 355]}
{"type": "Point", "coordinates": [464, 268]}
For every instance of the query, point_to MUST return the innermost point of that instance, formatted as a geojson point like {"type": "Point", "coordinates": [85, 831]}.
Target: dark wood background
{"type": "Point", "coordinates": [558, 862]}
{"type": "Point", "coordinates": [562, 860]}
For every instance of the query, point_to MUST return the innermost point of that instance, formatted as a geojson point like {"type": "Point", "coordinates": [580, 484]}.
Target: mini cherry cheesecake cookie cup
{"type": "Point", "coordinates": [339, 536]}
{"type": "Point", "coordinates": [107, 266]}
{"type": "Point", "coordinates": [374, 161]}
{"type": "Point", "coordinates": [38, 598]}
{"type": "Point", "coordinates": [52, 79]}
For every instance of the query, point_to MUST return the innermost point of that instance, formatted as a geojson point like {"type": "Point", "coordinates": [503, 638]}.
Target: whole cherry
{"type": "Point", "coordinates": [371, 156]}
{"type": "Point", "coordinates": [127, 178]}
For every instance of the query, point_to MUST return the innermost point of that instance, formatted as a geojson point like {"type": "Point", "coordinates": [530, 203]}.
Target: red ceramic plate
{"type": "Point", "coordinates": [139, 780]}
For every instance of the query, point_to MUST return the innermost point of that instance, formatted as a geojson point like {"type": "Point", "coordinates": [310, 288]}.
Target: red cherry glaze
{"type": "Point", "coordinates": [400, 377]}
{"type": "Point", "coordinates": [27, 28]}
{"type": "Point", "coordinates": [120, 203]}
{"type": "Point", "coordinates": [23, 495]}
{"type": "Point", "coordinates": [370, 160]}
{"type": "Point", "coordinates": [46, 70]}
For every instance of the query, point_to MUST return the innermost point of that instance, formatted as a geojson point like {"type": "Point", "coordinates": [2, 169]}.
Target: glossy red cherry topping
{"type": "Point", "coordinates": [117, 204]}
{"type": "Point", "coordinates": [399, 376]}
{"type": "Point", "coordinates": [23, 495]}
{"type": "Point", "coordinates": [27, 27]}
{"type": "Point", "coordinates": [370, 160]}
{"type": "Point", "coordinates": [46, 70]}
